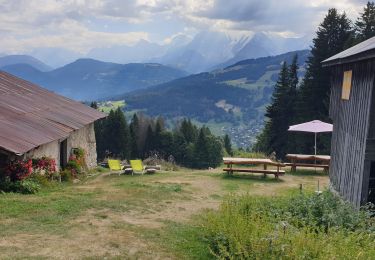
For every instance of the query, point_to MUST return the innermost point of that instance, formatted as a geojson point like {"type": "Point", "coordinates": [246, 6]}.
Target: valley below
{"type": "Point", "coordinates": [229, 100]}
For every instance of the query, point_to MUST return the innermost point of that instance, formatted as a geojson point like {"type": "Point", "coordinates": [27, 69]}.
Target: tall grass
{"type": "Point", "coordinates": [301, 227]}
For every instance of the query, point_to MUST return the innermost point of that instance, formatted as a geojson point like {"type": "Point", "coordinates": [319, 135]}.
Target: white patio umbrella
{"type": "Point", "coordinates": [315, 127]}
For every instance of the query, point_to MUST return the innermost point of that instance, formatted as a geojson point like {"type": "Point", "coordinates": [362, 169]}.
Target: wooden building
{"type": "Point", "coordinates": [35, 122]}
{"type": "Point", "coordinates": [352, 109]}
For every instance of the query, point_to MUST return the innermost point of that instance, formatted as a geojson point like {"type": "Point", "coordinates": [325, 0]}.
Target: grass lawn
{"type": "Point", "coordinates": [136, 217]}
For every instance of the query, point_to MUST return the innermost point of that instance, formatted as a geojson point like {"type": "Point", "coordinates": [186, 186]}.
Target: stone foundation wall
{"type": "Point", "coordinates": [82, 138]}
{"type": "Point", "coordinates": [51, 150]}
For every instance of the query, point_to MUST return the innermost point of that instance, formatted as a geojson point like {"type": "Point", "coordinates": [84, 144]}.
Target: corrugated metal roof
{"type": "Point", "coordinates": [361, 51]}
{"type": "Point", "coordinates": [31, 116]}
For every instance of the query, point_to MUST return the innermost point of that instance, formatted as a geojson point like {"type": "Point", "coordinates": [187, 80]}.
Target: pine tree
{"type": "Point", "coordinates": [215, 151]}
{"type": "Point", "coordinates": [228, 145]}
{"type": "Point", "coordinates": [277, 113]}
{"type": "Point", "coordinates": [189, 131]}
{"type": "Point", "coordinates": [179, 150]}
{"type": "Point", "coordinates": [100, 138]}
{"type": "Point", "coordinates": [109, 134]}
{"type": "Point", "coordinates": [157, 141]}
{"type": "Point", "coordinates": [365, 24]}
{"type": "Point", "coordinates": [166, 143]}
{"type": "Point", "coordinates": [290, 114]}
{"type": "Point", "coordinates": [331, 38]}
{"type": "Point", "coordinates": [201, 150]}
{"type": "Point", "coordinates": [94, 105]}
{"type": "Point", "coordinates": [121, 136]}
{"type": "Point", "coordinates": [149, 143]}
{"type": "Point", "coordinates": [133, 131]}
{"type": "Point", "coordinates": [262, 143]}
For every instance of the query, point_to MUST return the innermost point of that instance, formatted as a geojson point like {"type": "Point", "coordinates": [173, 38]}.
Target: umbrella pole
{"type": "Point", "coordinates": [315, 143]}
{"type": "Point", "coordinates": [315, 152]}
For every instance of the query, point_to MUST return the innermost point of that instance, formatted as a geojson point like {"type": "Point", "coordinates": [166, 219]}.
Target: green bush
{"type": "Point", "coordinates": [324, 212]}
{"type": "Point", "coordinates": [66, 175]}
{"type": "Point", "coordinates": [5, 184]}
{"type": "Point", "coordinates": [42, 179]}
{"type": "Point", "coordinates": [26, 186]}
{"type": "Point", "coordinates": [73, 166]}
{"type": "Point", "coordinates": [302, 227]}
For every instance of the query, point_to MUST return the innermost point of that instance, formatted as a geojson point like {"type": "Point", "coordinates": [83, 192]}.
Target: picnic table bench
{"type": "Point", "coordinates": [307, 160]}
{"type": "Point", "coordinates": [230, 162]}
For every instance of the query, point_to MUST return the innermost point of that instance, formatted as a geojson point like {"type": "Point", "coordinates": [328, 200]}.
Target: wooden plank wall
{"type": "Point", "coordinates": [370, 150]}
{"type": "Point", "coordinates": [351, 123]}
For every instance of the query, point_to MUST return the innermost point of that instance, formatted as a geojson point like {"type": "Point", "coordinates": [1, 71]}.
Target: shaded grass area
{"type": "Point", "coordinates": [51, 209]}
{"type": "Point", "coordinates": [244, 182]}
{"type": "Point", "coordinates": [308, 172]}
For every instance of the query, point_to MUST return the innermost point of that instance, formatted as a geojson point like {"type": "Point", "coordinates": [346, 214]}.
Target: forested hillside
{"type": "Point", "coordinates": [230, 100]}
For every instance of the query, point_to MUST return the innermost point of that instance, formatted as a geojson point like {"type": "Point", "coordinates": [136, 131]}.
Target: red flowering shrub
{"type": "Point", "coordinates": [77, 162]}
{"type": "Point", "coordinates": [19, 170]}
{"type": "Point", "coordinates": [27, 176]}
{"type": "Point", "coordinates": [48, 165]}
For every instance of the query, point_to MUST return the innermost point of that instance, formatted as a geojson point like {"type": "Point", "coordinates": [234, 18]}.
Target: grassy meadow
{"type": "Point", "coordinates": [159, 216]}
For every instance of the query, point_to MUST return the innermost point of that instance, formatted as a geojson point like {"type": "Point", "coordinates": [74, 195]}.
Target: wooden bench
{"type": "Point", "coordinates": [250, 161]}
{"type": "Point", "coordinates": [319, 161]}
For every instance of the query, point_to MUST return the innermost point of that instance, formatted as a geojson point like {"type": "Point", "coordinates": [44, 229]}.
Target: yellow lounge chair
{"type": "Point", "coordinates": [115, 165]}
{"type": "Point", "coordinates": [138, 167]}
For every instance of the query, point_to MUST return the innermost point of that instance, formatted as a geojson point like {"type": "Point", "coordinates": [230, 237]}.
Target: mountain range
{"type": "Point", "coordinates": [88, 79]}
{"type": "Point", "coordinates": [10, 60]}
{"type": "Point", "coordinates": [205, 51]}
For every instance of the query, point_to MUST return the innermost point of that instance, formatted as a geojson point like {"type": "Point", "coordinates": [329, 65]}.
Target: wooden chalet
{"type": "Point", "coordinates": [352, 109]}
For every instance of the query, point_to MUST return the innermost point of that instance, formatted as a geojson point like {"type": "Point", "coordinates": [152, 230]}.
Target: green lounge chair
{"type": "Point", "coordinates": [138, 167]}
{"type": "Point", "coordinates": [115, 165]}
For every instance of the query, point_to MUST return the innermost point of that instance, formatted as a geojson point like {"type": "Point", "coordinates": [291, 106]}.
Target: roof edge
{"type": "Point", "coordinates": [370, 54]}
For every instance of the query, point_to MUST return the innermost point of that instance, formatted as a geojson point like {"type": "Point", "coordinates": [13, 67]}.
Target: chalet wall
{"type": "Point", "coordinates": [51, 150]}
{"type": "Point", "coordinates": [85, 138]}
{"type": "Point", "coordinates": [351, 124]}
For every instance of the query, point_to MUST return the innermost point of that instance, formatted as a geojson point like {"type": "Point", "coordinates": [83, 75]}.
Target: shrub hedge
{"type": "Point", "coordinates": [306, 226]}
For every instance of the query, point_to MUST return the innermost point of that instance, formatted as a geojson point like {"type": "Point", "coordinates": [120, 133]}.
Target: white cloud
{"type": "Point", "coordinates": [33, 24]}
{"type": "Point", "coordinates": [292, 16]}
{"type": "Point", "coordinates": [80, 25]}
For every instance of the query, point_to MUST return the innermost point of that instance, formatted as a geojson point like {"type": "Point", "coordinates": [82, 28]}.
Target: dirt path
{"type": "Point", "coordinates": [114, 231]}
{"type": "Point", "coordinates": [204, 192]}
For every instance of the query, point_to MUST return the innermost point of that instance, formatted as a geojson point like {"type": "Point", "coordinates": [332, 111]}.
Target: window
{"type": "Point", "coordinates": [346, 85]}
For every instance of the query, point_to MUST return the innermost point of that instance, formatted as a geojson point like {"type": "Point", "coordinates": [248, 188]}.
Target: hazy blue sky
{"type": "Point", "coordinates": [81, 25]}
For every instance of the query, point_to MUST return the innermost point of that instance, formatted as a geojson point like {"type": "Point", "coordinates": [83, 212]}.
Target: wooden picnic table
{"type": "Point", "coordinates": [230, 162]}
{"type": "Point", "coordinates": [308, 160]}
